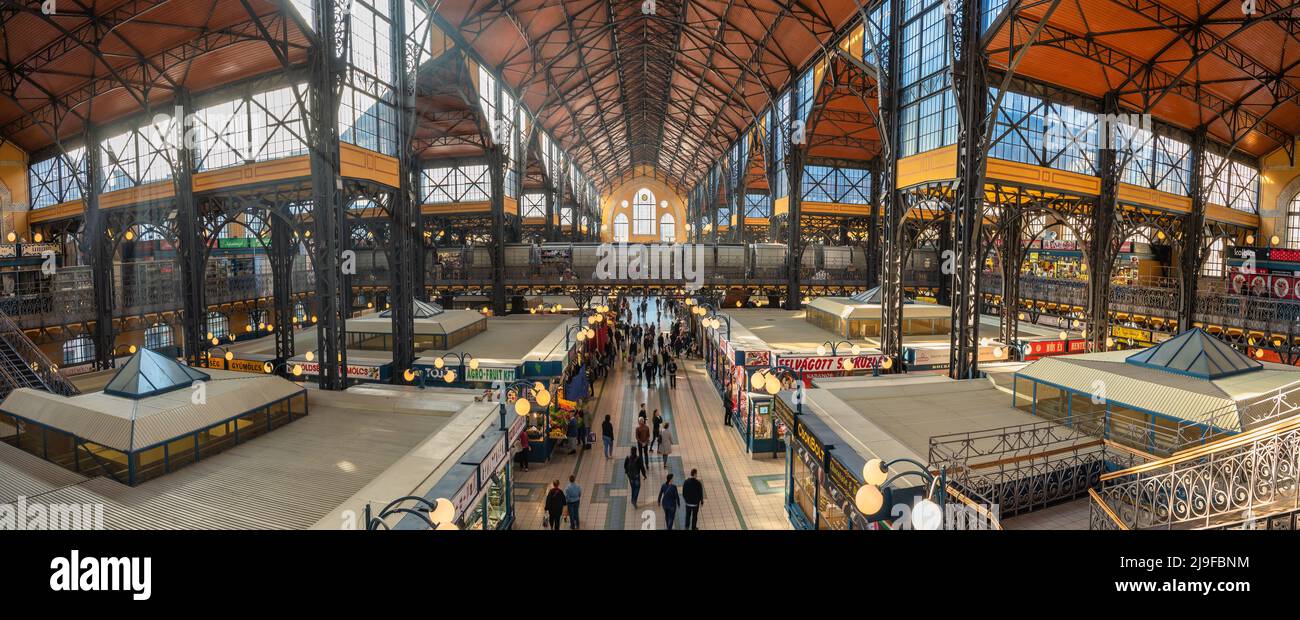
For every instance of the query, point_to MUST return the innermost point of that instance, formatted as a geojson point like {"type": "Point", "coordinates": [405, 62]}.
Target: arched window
{"type": "Point", "coordinates": [643, 212]}
{"type": "Point", "coordinates": [79, 350]}
{"type": "Point", "coordinates": [620, 228]}
{"type": "Point", "coordinates": [667, 228]}
{"type": "Point", "coordinates": [158, 336]}
{"type": "Point", "coordinates": [1293, 223]}
{"type": "Point", "coordinates": [218, 324]}
{"type": "Point", "coordinates": [300, 312]}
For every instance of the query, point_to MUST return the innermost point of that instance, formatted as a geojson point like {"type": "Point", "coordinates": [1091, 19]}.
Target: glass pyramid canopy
{"type": "Point", "coordinates": [421, 309]}
{"type": "Point", "coordinates": [1197, 354]}
{"type": "Point", "coordinates": [148, 373]}
{"type": "Point", "coordinates": [873, 296]}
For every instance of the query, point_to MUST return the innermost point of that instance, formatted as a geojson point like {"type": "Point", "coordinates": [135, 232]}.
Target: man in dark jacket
{"type": "Point", "coordinates": [672, 373]}
{"type": "Point", "coordinates": [669, 500]}
{"type": "Point", "coordinates": [692, 497]}
{"type": "Point", "coordinates": [634, 468]}
{"type": "Point", "coordinates": [555, 503]}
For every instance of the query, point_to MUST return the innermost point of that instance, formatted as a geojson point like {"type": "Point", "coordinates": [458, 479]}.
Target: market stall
{"type": "Point", "coordinates": [820, 479]}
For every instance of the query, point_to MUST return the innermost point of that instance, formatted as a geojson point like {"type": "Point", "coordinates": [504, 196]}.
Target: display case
{"type": "Point", "coordinates": [759, 426]}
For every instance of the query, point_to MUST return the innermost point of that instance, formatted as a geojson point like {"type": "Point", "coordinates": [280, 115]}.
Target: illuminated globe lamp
{"type": "Point", "coordinates": [926, 514]}
{"type": "Point", "coordinates": [443, 515]}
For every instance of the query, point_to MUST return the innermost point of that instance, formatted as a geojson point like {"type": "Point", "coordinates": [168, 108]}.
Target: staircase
{"type": "Point", "coordinates": [23, 365]}
{"type": "Point", "coordinates": [1224, 483]}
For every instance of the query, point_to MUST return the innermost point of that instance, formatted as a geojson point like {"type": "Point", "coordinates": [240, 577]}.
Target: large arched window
{"type": "Point", "coordinates": [620, 228]}
{"type": "Point", "coordinates": [643, 212]}
{"type": "Point", "coordinates": [667, 228]}
{"type": "Point", "coordinates": [79, 350]}
{"type": "Point", "coordinates": [218, 324]}
{"type": "Point", "coordinates": [158, 336]}
{"type": "Point", "coordinates": [1293, 223]}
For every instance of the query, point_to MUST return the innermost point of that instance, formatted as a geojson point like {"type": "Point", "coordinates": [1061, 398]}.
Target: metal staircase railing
{"type": "Point", "coordinates": [1253, 473]}
{"type": "Point", "coordinates": [1028, 466]}
{"type": "Point", "coordinates": [34, 361]}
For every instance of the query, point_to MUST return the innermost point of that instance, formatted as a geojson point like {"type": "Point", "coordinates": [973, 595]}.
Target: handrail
{"type": "Point", "coordinates": [1106, 509]}
{"type": "Point", "coordinates": [1198, 452]}
{"type": "Point", "coordinates": [1226, 477]}
{"type": "Point", "coordinates": [40, 365]}
{"type": "Point", "coordinates": [976, 506]}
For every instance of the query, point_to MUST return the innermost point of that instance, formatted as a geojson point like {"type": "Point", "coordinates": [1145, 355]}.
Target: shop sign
{"type": "Point", "coordinates": [1140, 335]}
{"type": "Point", "coordinates": [1039, 348]}
{"type": "Point", "coordinates": [516, 427]}
{"type": "Point", "coordinates": [783, 412]}
{"type": "Point", "coordinates": [1263, 284]}
{"type": "Point", "coordinates": [842, 478]}
{"type": "Point", "coordinates": [758, 358]}
{"type": "Point", "coordinates": [234, 242]}
{"type": "Point", "coordinates": [828, 362]}
{"type": "Point", "coordinates": [810, 440]}
{"type": "Point", "coordinates": [247, 366]}
{"type": "Point", "coordinates": [8, 250]}
{"type": "Point", "coordinates": [34, 250]}
{"type": "Point", "coordinates": [354, 371]}
{"type": "Point", "coordinates": [1057, 244]}
{"type": "Point", "coordinates": [1078, 345]}
{"type": "Point", "coordinates": [79, 369]}
{"type": "Point", "coordinates": [465, 495]}
{"type": "Point", "coordinates": [928, 358]}
{"type": "Point", "coordinates": [494, 458]}
{"type": "Point", "coordinates": [487, 374]}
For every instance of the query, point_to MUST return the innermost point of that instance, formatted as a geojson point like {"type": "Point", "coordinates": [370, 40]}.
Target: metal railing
{"type": "Point", "coordinates": [36, 362]}
{"type": "Point", "coordinates": [1028, 466]}
{"type": "Point", "coordinates": [1250, 474]}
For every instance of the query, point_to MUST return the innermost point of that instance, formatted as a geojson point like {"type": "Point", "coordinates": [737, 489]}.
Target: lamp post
{"type": "Point", "coordinates": [523, 406]}
{"type": "Point", "coordinates": [927, 514]}
{"type": "Point", "coordinates": [270, 367]}
{"type": "Point", "coordinates": [439, 514]}
{"type": "Point", "coordinates": [583, 333]}
{"type": "Point", "coordinates": [440, 363]}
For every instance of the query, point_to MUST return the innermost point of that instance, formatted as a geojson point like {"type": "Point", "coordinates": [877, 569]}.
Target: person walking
{"type": "Point", "coordinates": [634, 468]}
{"type": "Point", "coordinates": [572, 497]}
{"type": "Point", "coordinates": [607, 435]}
{"type": "Point", "coordinates": [643, 440]}
{"type": "Point", "coordinates": [672, 373]}
{"type": "Point", "coordinates": [692, 497]}
{"type": "Point", "coordinates": [668, 500]}
{"type": "Point", "coordinates": [555, 503]}
{"type": "Point", "coordinates": [658, 421]}
{"type": "Point", "coordinates": [665, 439]}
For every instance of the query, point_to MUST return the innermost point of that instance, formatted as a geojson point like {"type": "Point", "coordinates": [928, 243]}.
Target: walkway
{"type": "Point", "coordinates": [740, 492]}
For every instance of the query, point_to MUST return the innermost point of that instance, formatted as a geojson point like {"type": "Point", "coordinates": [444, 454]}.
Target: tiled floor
{"type": "Point", "coordinates": [740, 492]}
{"type": "Point", "coordinates": [1068, 516]}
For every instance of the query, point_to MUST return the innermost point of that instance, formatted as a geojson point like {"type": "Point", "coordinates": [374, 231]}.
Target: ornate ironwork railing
{"type": "Point", "coordinates": [1028, 466]}
{"type": "Point", "coordinates": [1255, 471]}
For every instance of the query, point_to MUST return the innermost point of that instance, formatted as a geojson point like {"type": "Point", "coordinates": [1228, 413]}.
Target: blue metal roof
{"type": "Point", "coordinates": [1197, 354]}
{"type": "Point", "coordinates": [148, 373]}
